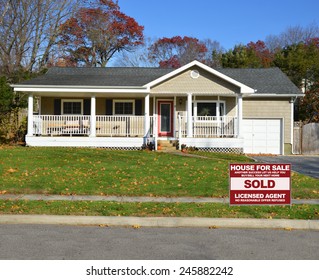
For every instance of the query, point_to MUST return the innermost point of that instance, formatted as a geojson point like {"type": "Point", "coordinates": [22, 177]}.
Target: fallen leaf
{"type": "Point", "coordinates": [136, 226]}
{"type": "Point", "coordinates": [11, 170]}
{"type": "Point", "coordinates": [212, 227]}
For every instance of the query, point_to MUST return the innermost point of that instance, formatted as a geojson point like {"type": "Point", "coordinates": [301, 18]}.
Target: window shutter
{"type": "Point", "coordinates": [57, 106]}
{"type": "Point", "coordinates": [87, 107]}
{"type": "Point", "coordinates": [138, 107]}
{"type": "Point", "coordinates": [109, 107]}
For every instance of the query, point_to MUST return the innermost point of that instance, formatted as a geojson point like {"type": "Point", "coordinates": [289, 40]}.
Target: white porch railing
{"type": "Point", "coordinates": [210, 127]}
{"type": "Point", "coordinates": [123, 126]}
{"type": "Point", "coordinates": [130, 126]}
{"type": "Point", "coordinates": [61, 125]}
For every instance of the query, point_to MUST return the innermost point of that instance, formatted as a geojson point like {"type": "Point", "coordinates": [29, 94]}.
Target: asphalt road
{"type": "Point", "coordinates": [307, 165]}
{"type": "Point", "coordinates": [48, 242]}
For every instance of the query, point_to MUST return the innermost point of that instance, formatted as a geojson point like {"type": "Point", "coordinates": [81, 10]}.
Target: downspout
{"type": "Point", "coordinates": [292, 113]}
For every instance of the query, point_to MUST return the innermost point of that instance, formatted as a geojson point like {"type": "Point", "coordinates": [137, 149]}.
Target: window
{"type": "Point", "coordinates": [123, 107]}
{"type": "Point", "coordinates": [206, 109]}
{"type": "Point", "coordinates": [209, 108]}
{"type": "Point", "coordinates": [72, 107]}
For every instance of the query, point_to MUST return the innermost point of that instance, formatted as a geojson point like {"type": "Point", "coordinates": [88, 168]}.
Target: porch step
{"type": "Point", "coordinates": [166, 145]}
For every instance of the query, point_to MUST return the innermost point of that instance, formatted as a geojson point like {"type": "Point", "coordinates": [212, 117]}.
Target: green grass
{"type": "Point", "coordinates": [211, 210]}
{"type": "Point", "coordinates": [133, 173]}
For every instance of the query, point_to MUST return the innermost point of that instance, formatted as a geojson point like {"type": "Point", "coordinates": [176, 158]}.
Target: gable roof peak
{"type": "Point", "coordinates": [243, 88]}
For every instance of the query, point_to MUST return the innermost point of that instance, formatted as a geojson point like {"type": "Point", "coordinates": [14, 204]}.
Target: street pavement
{"type": "Point", "coordinates": [57, 242]}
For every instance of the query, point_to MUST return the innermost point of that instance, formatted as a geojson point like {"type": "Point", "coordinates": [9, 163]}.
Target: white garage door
{"type": "Point", "coordinates": [262, 136]}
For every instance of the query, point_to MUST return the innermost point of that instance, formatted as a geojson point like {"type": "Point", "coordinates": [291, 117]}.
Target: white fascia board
{"type": "Point", "coordinates": [243, 88]}
{"type": "Point", "coordinates": [276, 95]}
{"type": "Point", "coordinates": [81, 89]}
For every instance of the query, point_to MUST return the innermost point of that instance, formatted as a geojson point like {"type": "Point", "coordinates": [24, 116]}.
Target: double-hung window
{"type": "Point", "coordinates": [72, 106]}
{"type": "Point", "coordinates": [208, 108]}
{"type": "Point", "coordinates": [123, 107]}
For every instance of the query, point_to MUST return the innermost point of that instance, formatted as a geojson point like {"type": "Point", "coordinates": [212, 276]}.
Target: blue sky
{"type": "Point", "coordinates": [227, 21]}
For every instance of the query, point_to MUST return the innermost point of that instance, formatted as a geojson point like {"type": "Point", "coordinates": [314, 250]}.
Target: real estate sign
{"type": "Point", "coordinates": [264, 184]}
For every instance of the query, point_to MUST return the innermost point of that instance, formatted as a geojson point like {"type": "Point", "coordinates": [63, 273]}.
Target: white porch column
{"type": "Point", "coordinates": [189, 116]}
{"type": "Point", "coordinates": [93, 117]}
{"type": "Point", "coordinates": [240, 115]}
{"type": "Point", "coordinates": [30, 115]}
{"type": "Point", "coordinates": [147, 115]}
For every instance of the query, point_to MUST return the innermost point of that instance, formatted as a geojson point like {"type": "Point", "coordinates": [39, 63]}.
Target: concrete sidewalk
{"type": "Point", "coordinates": [131, 198]}
{"type": "Point", "coordinates": [137, 222]}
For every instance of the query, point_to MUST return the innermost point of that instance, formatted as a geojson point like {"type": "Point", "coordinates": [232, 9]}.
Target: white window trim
{"type": "Point", "coordinates": [123, 101]}
{"type": "Point", "coordinates": [71, 100]}
{"type": "Point", "coordinates": [218, 102]}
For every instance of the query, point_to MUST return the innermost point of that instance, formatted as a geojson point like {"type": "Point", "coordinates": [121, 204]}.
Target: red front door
{"type": "Point", "coordinates": [165, 118]}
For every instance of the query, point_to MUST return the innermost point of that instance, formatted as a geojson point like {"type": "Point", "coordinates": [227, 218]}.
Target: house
{"type": "Point", "coordinates": [225, 110]}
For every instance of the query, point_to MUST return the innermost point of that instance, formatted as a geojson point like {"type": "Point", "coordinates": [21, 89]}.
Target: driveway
{"type": "Point", "coordinates": [307, 165]}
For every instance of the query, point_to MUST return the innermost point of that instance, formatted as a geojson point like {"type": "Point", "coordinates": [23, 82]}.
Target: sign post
{"type": "Point", "coordinates": [260, 184]}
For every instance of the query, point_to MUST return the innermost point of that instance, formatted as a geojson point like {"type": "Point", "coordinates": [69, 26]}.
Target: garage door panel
{"type": "Point", "coordinates": [273, 136]}
{"type": "Point", "coordinates": [259, 129]}
{"type": "Point", "coordinates": [272, 122]}
{"type": "Point", "coordinates": [262, 136]}
{"type": "Point", "coordinates": [258, 136]}
{"type": "Point", "coordinates": [272, 150]}
{"type": "Point", "coordinates": [272, 143]}
{"type": "Point", "coordinates": [260, 144]}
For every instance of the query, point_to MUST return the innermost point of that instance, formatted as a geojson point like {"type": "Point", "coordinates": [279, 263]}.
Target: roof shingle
{"type": "Point", "coordinates": [263, 80]}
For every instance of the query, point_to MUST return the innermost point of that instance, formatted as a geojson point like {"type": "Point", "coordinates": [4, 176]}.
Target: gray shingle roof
{"type": "Point", "coordinates": [264, 80]}
{"type": "Point", "coordinates": [104, 77]}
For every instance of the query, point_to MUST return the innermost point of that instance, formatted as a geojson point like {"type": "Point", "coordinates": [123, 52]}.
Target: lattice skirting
{"type": "Point", "coordinates": [223, 150]}
{"type": "Point", "coordinates": [122, 148]}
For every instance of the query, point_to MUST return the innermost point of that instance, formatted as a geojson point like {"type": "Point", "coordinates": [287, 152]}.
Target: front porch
{"type": "Point", "coordinates": [132, 132]}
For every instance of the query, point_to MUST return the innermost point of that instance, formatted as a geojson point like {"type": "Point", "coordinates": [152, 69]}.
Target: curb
{"type": "Point", "coordinates": [40, 197]}
{"type": "Point", "coordinates": [167, 222]}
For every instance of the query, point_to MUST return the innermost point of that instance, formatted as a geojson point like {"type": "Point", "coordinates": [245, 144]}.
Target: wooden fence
{"type": "Point", "coordinates": [306, 139]}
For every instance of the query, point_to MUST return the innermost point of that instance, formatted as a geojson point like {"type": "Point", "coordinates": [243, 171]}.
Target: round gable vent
{"type": "Point", "coordinates": [194, 74]}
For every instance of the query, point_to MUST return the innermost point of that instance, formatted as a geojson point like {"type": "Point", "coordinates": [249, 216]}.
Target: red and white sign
{"type": "Point", "coordinates": [265, 184]}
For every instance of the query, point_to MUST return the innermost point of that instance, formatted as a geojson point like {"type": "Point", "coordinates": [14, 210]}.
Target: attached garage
{"type": "Point", "coordinates": [263, 136]}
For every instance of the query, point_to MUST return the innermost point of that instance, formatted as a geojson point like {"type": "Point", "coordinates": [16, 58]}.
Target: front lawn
{"type": "Point", "coordinates": [133, 173]}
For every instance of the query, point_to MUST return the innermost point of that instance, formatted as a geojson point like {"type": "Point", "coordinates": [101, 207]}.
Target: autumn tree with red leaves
{"type": "Point", "coordinates": [176, 51]}
{"type": "Point", "coordinates": [252, 55]}
{"type": "Point", "coordinates": [96, 33]}
{"type": "Point", "coordinates": [261, 52]}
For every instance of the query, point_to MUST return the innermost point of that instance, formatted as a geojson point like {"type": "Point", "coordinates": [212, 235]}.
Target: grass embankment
{"type": "Point", "coordinates": [76, 171]}
{"type": "Point", "coordinates": [210, 210]}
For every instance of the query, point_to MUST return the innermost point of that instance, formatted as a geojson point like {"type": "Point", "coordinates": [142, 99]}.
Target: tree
{"type": "Point", "coordinates": [300, 62]}
{"type": "Point", "coordinates": [214, 53]}
{"type": "Point", "coordinates": [253, 55]}
{"type": "Point", "coordinates": [176, 51]}
{"type": "Point", "coordinates": [309, 105]}
{"type": "Point", "coordinates": [136, 58]}
{"type": "Point", "coordinates": [293, 35]}
{"type": "Point", "coordinates": [261, 53]}
{"type": "Point", "coordinates": [95, 34]}
{"type": "Point", "coordinates": [28, 32]}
